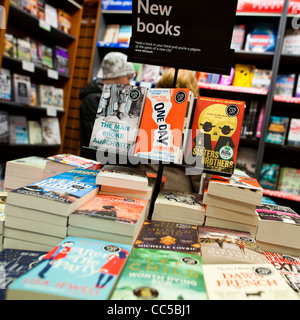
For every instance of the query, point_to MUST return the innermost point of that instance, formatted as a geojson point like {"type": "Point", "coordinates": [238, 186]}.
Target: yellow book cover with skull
{"type": "Point", "coordinates": [215, 135]}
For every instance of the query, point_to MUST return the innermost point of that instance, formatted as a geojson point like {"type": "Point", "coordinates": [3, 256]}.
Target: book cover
{"type": "Point", "coordinates": [15, 263]}
{"type": "Point", "coordinates": [124, 34]}
{"type": "Point", "coordinates": [35, 53]}
{"type": "Point", "coordinates": [238, 37]}
{"type": "Point", "coordinates": [164, 122]}
{"type": "Point", "coordinates": [33, 94]}
{"type": "Point", "coordinates": [5, 85]}
{"type": "Point", "coordinates": [285, 84]}
{"type": "Point", "coordinates": [75, 161]}
{"type": "Point", "coordinates": [261, 78]}
{"type": "Point", "coordinates": [277, 129]}
{"type": "Point", "coordinates": [10, 49]}
{"type": "Point", "coordinates": [291, 42]}
{"type": "Point", "coordinates": [45, 95]}
{"type": "Point", "coordinates": [261, 38]}
{"type": "Point", "coordinates": [118, 117]}
{"type": "Point", "coordinates": [246, 282]}
{"type": "Point", "coordinates": [35, 132]}
{"type": "Point", "coordinates": [168, 236]}
{"type": "Point", "coordinates": [289, 180]}
{"type": "Point", "coordinates": [246, 160]}
{"type": "Point", "coordinates": [293, 138]}
{"type": "Point", "coordinates": [216, 130]}
{"type": "Point", "coordinates": [60, 188]}
{"type": "Point", "coordinates": [4, 127]}
{"type": "Point", "coordinates": [61, 60]}
{"type": "Point", "coordinates": [161, 275]}
{"type": "Point", "coordinates": [113, 208]}
{"type": "Point", "coordinates": [288, 267]}
{"type": "Point", "coordinates": [227, 246]}
{"type": "Point", "coordinates": [51, 131]}
{"type": "Point", "coordinates": [78, 268]}
{"type": "Point", "coordinates": [51, 15]}
{"type": "Point", "coordinates": [47, 56]}
{"type": "Point", "coordinates": [243, 75]}
{"type": "Point", "coordinates": [18, 131]}
{"type": "Point", "coordinates": [23, 49]}
{"type": "Point", "coordinates": [64, 21]}
{"type": "Point", "coordinates": [79, 175]}
{"type": "Point", "coordinates": [111, 33]}
{"type": "Point", "coordinates": [58, 98]}
{"type": "Point", "coordinates": [235, 180]}
{"type": "Point", "coordinates": [225, 79]}
{"type": "Point", "coordinates": [268, 176]}
{"type": "Point", "coordinates": [22, 88]}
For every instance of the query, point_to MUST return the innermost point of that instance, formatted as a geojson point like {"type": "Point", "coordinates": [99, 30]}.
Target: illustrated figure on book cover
{"type": "Point", "coordinates": [59, 252]}
{"type": "Point", "coordinates": [111, 268]}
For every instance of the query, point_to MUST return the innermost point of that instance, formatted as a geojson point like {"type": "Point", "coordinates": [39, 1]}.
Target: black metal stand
{"type": "Point", "coordinates": [160, 169]}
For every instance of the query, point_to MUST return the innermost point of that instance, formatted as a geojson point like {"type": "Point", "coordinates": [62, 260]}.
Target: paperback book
{"type": "Point", "coordinates": [165, 235]}
{"type": "Point", "coordinates": [268, 177]}
{"type": "Point", "coordinates": [216, 129]}
{"type": "Point", "coordinates": [93, 268]}
{"type": "Point", "coordinates": [161, 275]}
{"type": "Point", "coordinates": [22, 88]}
{"type": "Point", "coordinates": [277, 129]}
{"type": "Point", "coordinates": [289, 180]}
{"type": "Point", "coordinates": [246, 282]}
{"type": "Point", "coordinates": [243, 75]}
{"type": "Point", "coordinates": [227, 246]}
{"type": "Point", "coordinates": [35, 132]}
{"type": "Point", "coordinates": [5, 85]}
{"type": "Point", "coordinates": [118, 118]}
{"type": "Point", "coordinates": [15, 263]}
{"type": "Point", "coordinates": [4, 127]}
{"type": "Point", "coordinates": [291, 42]}
{"type": "Point", "coordinates": [60, 194]}
{"type": "Point", "coordinates": [285, 85]}
{"type": "Point", "coordinates": [18, 130]}
{"type": "Point", "coordinates": [293, 138]}
{"type": "Point", "coordinates": [110, 213]}
{"type": "Point", "coordinates": [51, 131]}
{"type": "Point", "coordinates": [71, 160]}
{"type": "Point", "coordinates": [163, 131]}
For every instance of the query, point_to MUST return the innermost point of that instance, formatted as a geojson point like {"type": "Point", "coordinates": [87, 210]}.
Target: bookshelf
{"type": "Point", "coordinates": [22, 24]}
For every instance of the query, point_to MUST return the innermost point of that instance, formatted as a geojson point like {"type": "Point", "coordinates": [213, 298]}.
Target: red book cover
{"type": "Point", "coordinates": [215, 135]}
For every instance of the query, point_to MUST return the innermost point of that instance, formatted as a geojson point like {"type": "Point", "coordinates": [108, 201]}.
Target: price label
{"type": "Point", "coordinates": [44, 25]}
{"type": "Point", "coordinates": [28, 66]}
{"type": "Point", "coordinates": [53, 74]}
{"type": "Point", "coordinates": [51, 112]}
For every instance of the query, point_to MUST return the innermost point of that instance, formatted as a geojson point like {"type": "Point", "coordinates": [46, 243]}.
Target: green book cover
{"type": "Point", "coordinates": [161, 275]}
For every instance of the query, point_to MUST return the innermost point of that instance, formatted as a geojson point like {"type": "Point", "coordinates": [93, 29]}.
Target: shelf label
{"type": "Point", "coordinates": [51, 111]}
{"type": "Point", "coordinates": [53, 74]}
{"type": "Point", "coordinates": [44, 25]}
{"type": "Point", "coordinates": [28, 66]}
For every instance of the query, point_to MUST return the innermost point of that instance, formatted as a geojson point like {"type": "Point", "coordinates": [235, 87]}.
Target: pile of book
{"type": "Point", "coordinates": [182, 207]}
{"type": "Point", "coordinates": [116, 215]}
{"type": "Point", "coordinates": [37, 214]}
{"type": "Point", "coordinates": [231, 202]}
{"type": "Point", "coordinates": [3, 196]}
{"type": "Point", "coordinates": [278, 229]}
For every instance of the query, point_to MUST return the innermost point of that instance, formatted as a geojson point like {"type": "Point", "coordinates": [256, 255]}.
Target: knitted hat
{"type": "Point", "coordinates": [115, 65]}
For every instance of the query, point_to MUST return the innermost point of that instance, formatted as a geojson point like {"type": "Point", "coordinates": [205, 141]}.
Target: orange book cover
{"type": "Point", "coordinates": [117, 208]}
{"type": "Point", "coordinates": [215, 135]}
{"type": "Point", "coordinates": [162, 125]}
{"type": "Point", "coordinates": [237, 181]}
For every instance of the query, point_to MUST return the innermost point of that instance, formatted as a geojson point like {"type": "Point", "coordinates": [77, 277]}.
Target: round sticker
{"type": "Point", "coordinates": [226, 152]}
{"type": "Point", "coordinates": [180, 96]}
{"type": "Point", "coordinates": [232, 110]}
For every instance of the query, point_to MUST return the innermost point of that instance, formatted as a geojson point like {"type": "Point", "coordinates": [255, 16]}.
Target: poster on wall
{"type": "Point", "coordinates": [194, 35]}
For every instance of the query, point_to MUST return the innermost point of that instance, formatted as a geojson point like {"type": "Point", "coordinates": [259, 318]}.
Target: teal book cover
{"type": "Point", "coordinates": [161, 275]}
{"type": "Point", "coordinates": [80, 175]}
{"type": "Point", "coordinates": [77, 268]}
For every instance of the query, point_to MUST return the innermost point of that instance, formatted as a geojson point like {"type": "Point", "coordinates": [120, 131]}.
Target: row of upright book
{"type": "Point", "coordinates": [16, 129]}
{"type": "Point", "coordinates": [41, 55]}
{"type": "Point", "coordinates": [167, 125]}
{"type": "Point", "coordinates": [19, 88]}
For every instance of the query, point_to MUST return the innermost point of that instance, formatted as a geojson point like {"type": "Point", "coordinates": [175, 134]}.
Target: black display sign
{"type": "Point", "coordinates": [194, 35]}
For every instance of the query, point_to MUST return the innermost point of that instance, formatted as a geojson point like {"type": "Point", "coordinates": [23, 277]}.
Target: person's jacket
{"type": "Point", "coordinates": [90, 96]}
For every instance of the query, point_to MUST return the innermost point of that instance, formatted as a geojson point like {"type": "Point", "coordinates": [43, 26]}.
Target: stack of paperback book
{"type": "Point", "coordinates": [278, 229]}
{"type": "Point", "coordinates": [164, 264]}
{"type": "Point", "coordinates": [124, 181]}
{"type": "Point", "coordinates": [109, 217]}
{"type": "Point", "coordinates": [21, 172]}
{"type": "Point", "coordinates": [181, 207]}
{"type": "Point", "coordinates": [60, 163]}
{"type": "Point", "coordinates": [231, 202]}
{"type": "Point", "coordinates": [3, 196]}
{"type": "Point", "coordinates": [93, 269]}
{"type": "Point", "coordinates": [37, 214]}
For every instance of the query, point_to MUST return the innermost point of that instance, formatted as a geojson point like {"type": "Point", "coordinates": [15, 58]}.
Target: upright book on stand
{"type": "Point", "coordinates": [216, 129]}
{"type": "Point", "coordinates": [166, 117]}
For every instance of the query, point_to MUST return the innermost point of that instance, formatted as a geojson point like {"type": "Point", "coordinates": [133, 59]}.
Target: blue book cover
{"type": "Point", "coordinates": [77, 268]}
{"type": "Point", "coordinates": [66, 187]}
{"type": "Point", "coordinates": [14, 263]}
{"type": "Point", "coordinates": [277, 129]}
